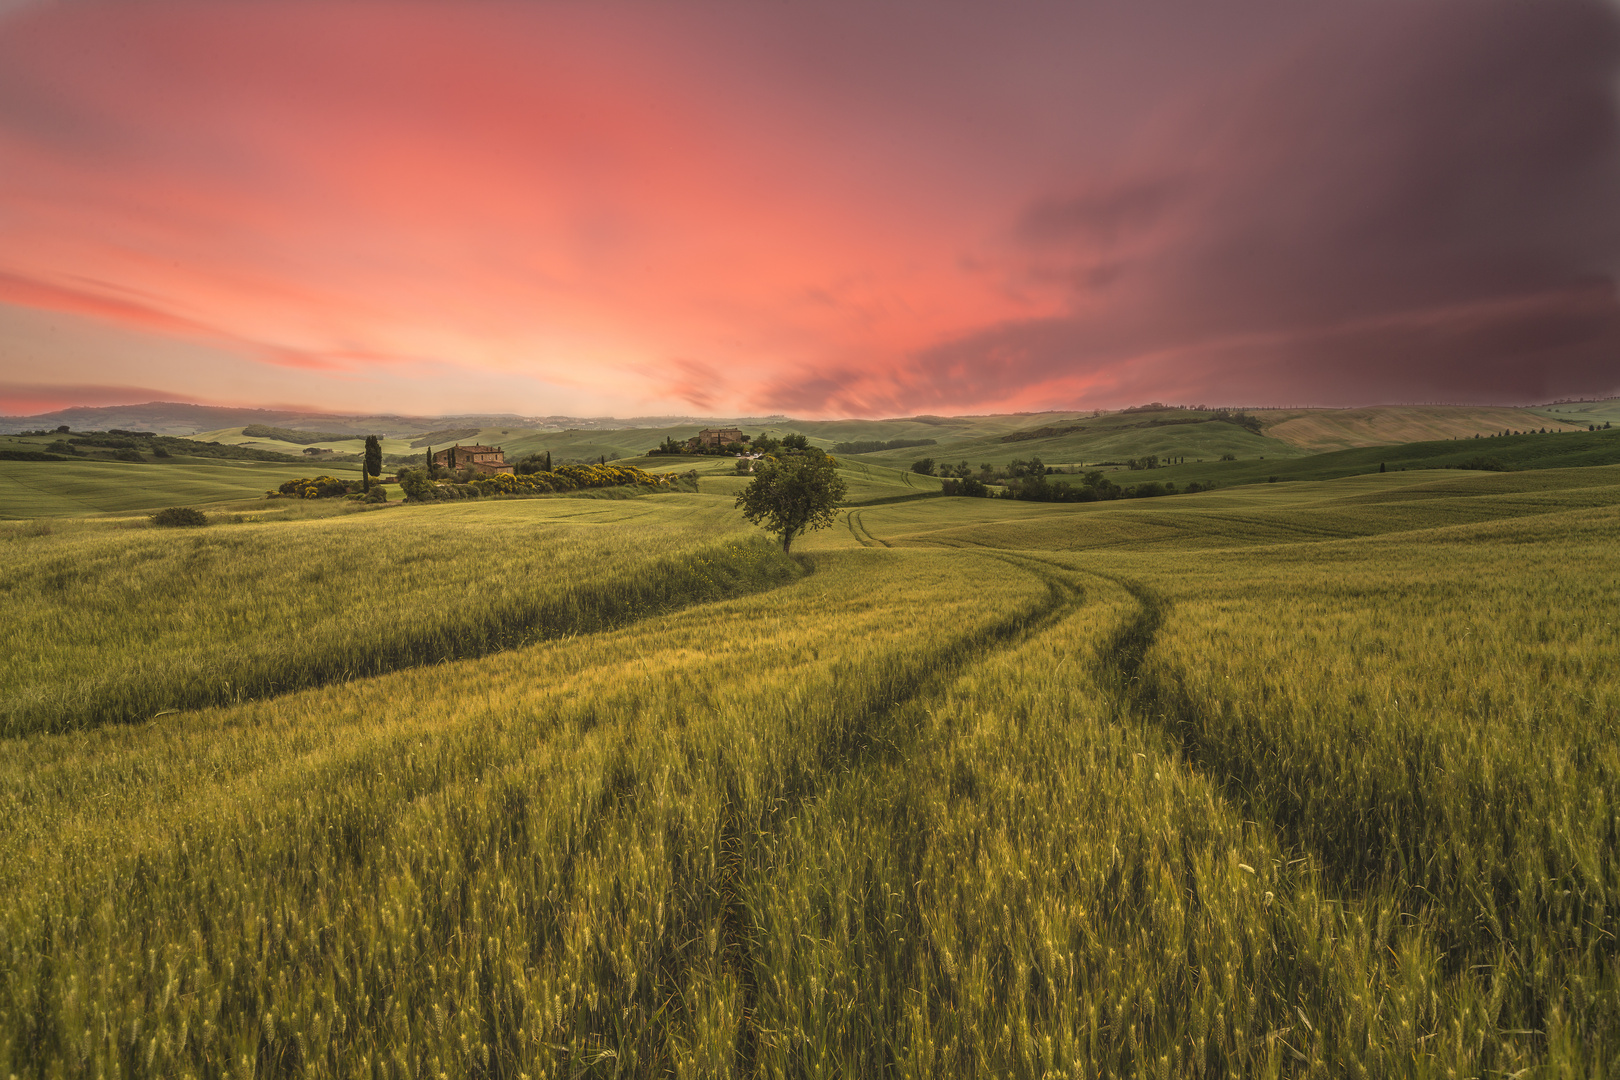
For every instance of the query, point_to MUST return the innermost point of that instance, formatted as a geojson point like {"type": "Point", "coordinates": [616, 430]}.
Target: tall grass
{"type": "Point", "coordinates": [526, 867]}
{"type": "Point", "coordinates": [1432, 720]}
{"type": "Point", "coordinates": [111, 625]}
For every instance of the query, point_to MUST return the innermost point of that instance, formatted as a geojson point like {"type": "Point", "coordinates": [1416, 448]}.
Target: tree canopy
{"type": "Point", "coordinates": [793, 494]}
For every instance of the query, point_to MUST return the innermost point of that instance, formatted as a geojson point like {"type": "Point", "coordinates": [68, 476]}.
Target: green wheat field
{"type": "Point", "coordinates": [1316, 778]}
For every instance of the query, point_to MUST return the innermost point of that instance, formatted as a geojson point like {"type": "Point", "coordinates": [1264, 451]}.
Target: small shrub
{"type": "Point", "coordinates": [416, 485]}
{"type": "Point", "coordinates": [179, 516]}
{"type": "Point", "coordinates": [128, 455]}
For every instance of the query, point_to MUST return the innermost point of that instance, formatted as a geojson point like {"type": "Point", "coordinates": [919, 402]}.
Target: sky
{"type": "Point", "coordinates": [832, 209]}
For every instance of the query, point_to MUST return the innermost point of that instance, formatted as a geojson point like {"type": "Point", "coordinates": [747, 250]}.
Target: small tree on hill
{"type": "Point", "coordinates": [373, 465]}
{"type": "Point", "coordinates": [417, 485]}
{"type": "Point", "coordinates": [793, 494]}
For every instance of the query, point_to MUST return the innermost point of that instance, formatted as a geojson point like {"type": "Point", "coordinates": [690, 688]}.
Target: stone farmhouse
{"type": "Point", "coordinates": [483, 459]}
{"type": "Point", "coordinates": [717, 436]}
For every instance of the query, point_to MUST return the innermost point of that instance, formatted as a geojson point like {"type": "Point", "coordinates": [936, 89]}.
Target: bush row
{"type": "Point", "coordinates": [326, 487]}
{"type": "Point", "coordinates": [420, 487]}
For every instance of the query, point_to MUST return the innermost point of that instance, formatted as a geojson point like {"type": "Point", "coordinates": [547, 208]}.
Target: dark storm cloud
{"type": "Point", "coordinates": [1414, 202]}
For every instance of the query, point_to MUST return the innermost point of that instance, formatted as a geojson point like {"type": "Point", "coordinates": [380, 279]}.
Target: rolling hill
{"type": "Point", "coordinates": [1317, 430]}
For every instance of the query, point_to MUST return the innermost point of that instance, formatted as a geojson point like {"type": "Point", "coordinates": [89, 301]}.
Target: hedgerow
{"type": "Point", "coordinates": [564, 478]}
{"type": "Point", "coordinates": [318, 487]}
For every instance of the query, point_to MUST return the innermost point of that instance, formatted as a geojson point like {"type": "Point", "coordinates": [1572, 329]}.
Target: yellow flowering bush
{"type": "Point", "coordinates": [318, 487]}
{"type": "Point", "coordinates": [571, 478]}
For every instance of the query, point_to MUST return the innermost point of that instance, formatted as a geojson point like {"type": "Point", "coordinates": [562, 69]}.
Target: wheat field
{"type": "Point", "coordinates": [1299, 780]}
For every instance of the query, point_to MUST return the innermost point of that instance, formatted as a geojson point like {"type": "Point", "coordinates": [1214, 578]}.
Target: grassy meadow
{"type": "Point", "coordinates": [114, 622]}
{"type": "Point", "coordinates": [1303, 779]}
{"type": "Point", "coordinates": [1321, 430]}
{"type": "Point", "coordinates": [65, 489]}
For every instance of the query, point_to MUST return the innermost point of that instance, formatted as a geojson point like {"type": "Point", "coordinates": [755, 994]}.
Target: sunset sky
{"type": "Point", "coordinates": [827, 209]}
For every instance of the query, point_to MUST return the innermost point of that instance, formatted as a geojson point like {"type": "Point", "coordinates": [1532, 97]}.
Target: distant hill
{"type": "Point", "coordinates": [1080, 436]}
{"type": "Point", "coordinates": [182, 418]}
{"type": "Point", "coordinates": [1499, 453]}
{"type": "Point", "coordinates": [1342, 429]}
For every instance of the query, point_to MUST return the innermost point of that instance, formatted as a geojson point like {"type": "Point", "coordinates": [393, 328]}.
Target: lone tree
{"type": "Point", "coordinates": [373, 460]}
{"type": "Point", "coordinates": [793, 494]}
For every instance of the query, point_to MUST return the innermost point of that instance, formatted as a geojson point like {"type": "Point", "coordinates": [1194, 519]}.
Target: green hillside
{"type": "Point", "coordinates": [345, 445]}
{"type": "Point", "coordinates": [1567, 449]}
{"type": "Point", "coordinates": [1582, 413]}
{"type": "Point", "coordinates": [1320, 430]}
{"type": "Point", "coordinates": [71, 487]}
{"type": "Point", "coordinates": [1069, 439]}
{"type": "Point", "coordinates": [30, 489]}
{"type": "Point", "coordinates": [1059, 438]}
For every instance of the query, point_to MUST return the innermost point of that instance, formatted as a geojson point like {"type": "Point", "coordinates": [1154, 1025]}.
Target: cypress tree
{"type": "Point", "coordinates": [373, 465]}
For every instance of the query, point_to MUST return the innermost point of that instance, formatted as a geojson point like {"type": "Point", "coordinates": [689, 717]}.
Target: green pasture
{"type": "Point", "coordinates": [1322, 430]}
{"type": "Point", "coordinates": [1307, 779]}
{"type": "Point", "coordinates": [1553, 450]}
{"type": "Point", "coordinates": [1582, 413]}
{"type": "Point", "coordinates": [31, 489]}
{"type": "Point", "coordinates": [1081, 440]}
{"type": "Point", "coordinates": [357, 445]}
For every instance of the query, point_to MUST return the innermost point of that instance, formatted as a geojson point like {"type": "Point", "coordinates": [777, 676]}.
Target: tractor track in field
{"type": "Point", "coordinates": [855, 520]}
{"type": "Point", "coordinates": [591, 609]}
{"type": "Point", "coordinates": [1159, 700]}
{"type": "Point", "coordinates": [875, 736]}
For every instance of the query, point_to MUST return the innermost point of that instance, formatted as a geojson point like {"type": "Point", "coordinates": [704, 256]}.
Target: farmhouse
{"type": "Point", "coordinates": [718, 436]}
{"type": "Point", "coordinates": [484, 459]}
